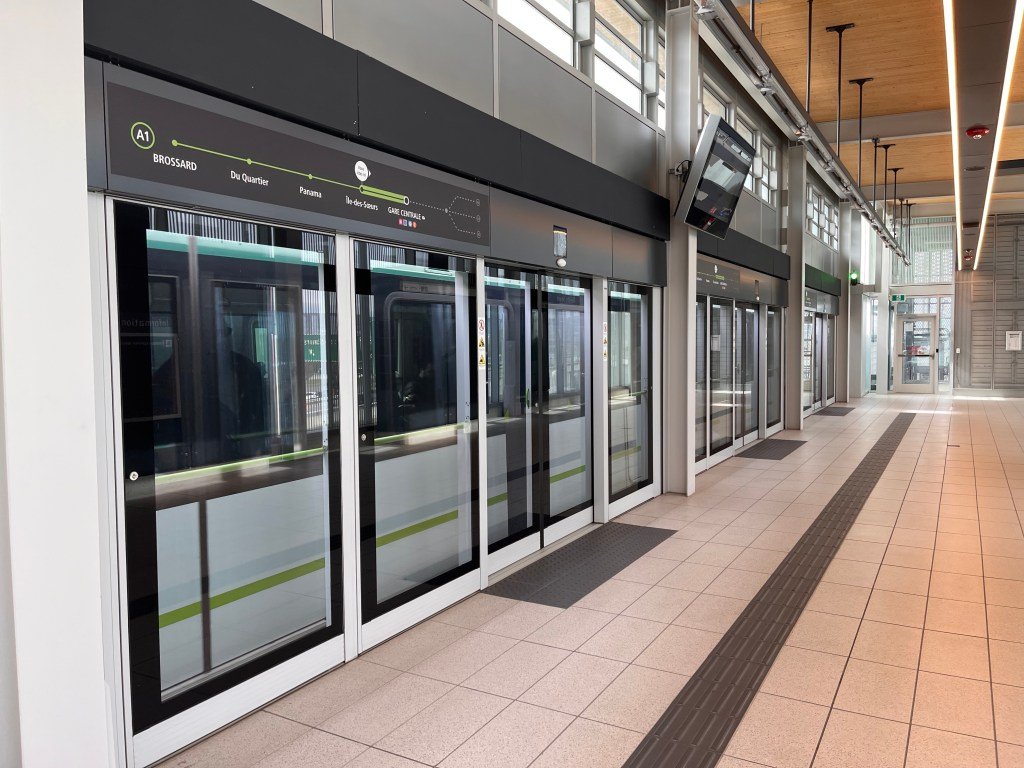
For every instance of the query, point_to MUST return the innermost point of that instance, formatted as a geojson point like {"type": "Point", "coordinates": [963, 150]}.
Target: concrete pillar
{"type": "Point", "coordinates": [796, 203]}
{"type": "Point", "coordinates": [49, 435]}
{"type": "Point", "coordinates": [679, 338]}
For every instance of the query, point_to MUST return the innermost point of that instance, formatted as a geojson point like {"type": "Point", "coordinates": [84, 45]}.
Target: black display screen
{"type": "Point", "coordinates": [723, 167]}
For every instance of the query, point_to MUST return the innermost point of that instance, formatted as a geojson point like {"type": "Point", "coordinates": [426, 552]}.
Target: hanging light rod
{"type": "Point", "coordinates": [731, 30]}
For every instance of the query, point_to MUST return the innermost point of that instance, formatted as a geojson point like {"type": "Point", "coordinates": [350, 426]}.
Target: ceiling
{"type": "Point", "coordinates": [902, 45]}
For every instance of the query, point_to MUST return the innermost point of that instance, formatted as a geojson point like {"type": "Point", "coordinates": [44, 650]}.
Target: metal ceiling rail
{"type": "Point", "coordinates": [731, 29]}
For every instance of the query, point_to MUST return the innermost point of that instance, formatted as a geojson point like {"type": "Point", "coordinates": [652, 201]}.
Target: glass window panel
{"type": "Point", "coordinates": [616, 52]}
{"type": "Point", "coordinates": [629, 388]}
{"type": "Point", "coordinates": [713, 103]}
{"type": "Point", "coordinates": [618, 86]}
{"type": "Point", "coordinates": [622, 21]}
{"type": "Point", "coordinates": [539, 27]}
{"type": "Point", "coordinates": [560, 9]}
{"type": "Point", "coordinates": [773, 363]}
{"type": "Point", "coordinates": [721, 374]}
{"type": "Point", "coordinates": [661, 56]}
{"type": "Point", "coordinates": [701, 382]}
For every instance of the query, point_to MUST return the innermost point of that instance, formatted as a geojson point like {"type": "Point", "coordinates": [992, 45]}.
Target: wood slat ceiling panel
{"type": "Point", "coordinates": [926, 158]}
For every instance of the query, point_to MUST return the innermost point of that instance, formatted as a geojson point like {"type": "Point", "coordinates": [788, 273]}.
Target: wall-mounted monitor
{"type": "Point", "coordinates": [717, 173]}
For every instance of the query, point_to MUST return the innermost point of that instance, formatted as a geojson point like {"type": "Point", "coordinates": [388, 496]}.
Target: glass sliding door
{"type": "Point", "coordinates": [818, 365]}
{"type": "Point", "coordinates": [227, 347]}
{"type": "Point", "coordinates": [807, 361]}
{"type": "Point", "coordinates": [721, 372]}
{"type": "Point", "coordinates": [416, 385]}
{"type": "Point", "coordinates": [629, 388]}
{"type": "Point", "coordinates": [830, 358]}
{"type": "Point", "coordinates": [700, 431]}
{"type": "Point", "coordinates": [773, 363]}
{"type": "Point", "coordinates": [747, 382]}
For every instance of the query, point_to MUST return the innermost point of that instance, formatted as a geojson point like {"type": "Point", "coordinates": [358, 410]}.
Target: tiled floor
{"type": "Point", "coordinates": [910, 653]}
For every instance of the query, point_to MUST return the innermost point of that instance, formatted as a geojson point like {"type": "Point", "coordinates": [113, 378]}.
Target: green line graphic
{"type": "Point", "coordinates": [363, 189]}
{"type": "Point", "coordinates": [423, 525]}
{"type": "Point", "coordinates": [626, 452]}
{"type": "Point", "coordinates": [567, 473]}
{"type": "Point", "coordinates": [216, 469]}
{"type": "Point", "coordinates": [497, 499]}
{"type": "Point", "coordinates": [238, 593]}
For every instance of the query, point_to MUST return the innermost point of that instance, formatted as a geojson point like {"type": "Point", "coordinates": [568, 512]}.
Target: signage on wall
{"type": "Point", "coordinates": [1013, 341]}
{"type": "Point", "coordinates": [716, 279]}
{"type": "Point", "coordinates": [160, 140]}
{"type": "Point", "coordinates": [899, 297]}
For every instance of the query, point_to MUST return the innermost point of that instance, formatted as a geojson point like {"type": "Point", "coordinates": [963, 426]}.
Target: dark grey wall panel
{"type": "Point", "coordinates": [745, 251]}
{"type": "Point", "coordinates": [234, 48]}
{"type": "Point", "coordinates": [443, 43]}
{"type": "Point", "coordinates": [521, 231]}
{"type": "Point", "coordinates": [559, 112]}
{"type": "Point", "coordinates": [638, 259]}
{"type": "Point", "coordinates": [747, 218]}
{"type": "Point", "coordinates": [626, 145]}
{"type": "Point", "coordinates": [822, 281]}
{"type": "Point", "coordinates": [398, 111]}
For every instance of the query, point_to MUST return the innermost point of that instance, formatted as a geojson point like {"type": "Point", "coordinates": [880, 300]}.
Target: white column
{"type": "Point", "coordinates": [50, 423]}
{"type": "Point", "coordinates": [681, 292]}
{"type": "Point", "coordinates": [849, 247]}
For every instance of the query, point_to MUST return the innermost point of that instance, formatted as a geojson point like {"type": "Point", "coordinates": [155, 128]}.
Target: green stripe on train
{"type": "Point", "coordinates": [238, 593]}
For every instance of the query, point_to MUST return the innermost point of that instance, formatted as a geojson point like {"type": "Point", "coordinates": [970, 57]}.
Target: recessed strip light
{"type": "Point", "coordinates": [954, 120]}
{"type": "Point", "coordinates": [1004, 103]}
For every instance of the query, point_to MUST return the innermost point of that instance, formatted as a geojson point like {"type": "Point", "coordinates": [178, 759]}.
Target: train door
{"type": "Point", "coordinates": [417, 434]}
{"type": "Point", "coordinates": [225, 366]}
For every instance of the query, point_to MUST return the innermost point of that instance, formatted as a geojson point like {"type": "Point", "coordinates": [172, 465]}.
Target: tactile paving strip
{"type": "Point", "coordinates": [833, 410]}
{"type": "Point", "coordinates": [775, 450]}
{"type": "Point", "coordinates": [570, 572]}
{"type": "Point", "coordinates": [695, 730]}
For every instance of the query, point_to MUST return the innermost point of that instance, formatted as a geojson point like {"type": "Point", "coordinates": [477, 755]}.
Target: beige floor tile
{"type": "Point", "coordinates": [806, 675]}
{"type": "Point", "coordinates": [953, 704]}
{"type": "Point", "coordinates": [736, 536]}
{"type": "Point", "coordinates": [623, 638]}
{"type": "Point", "coordinates": [1005, 623]}
{"type": "Point", "coordinates": [571, 628]}
{"type": "Point", "coordinates": [588, 744]}
{"type": "Point", "coordinates": [958, 562]}
{"type": "Point", "coordinates": [1003, 568]}
{"type": "Point", "coordinates": [614, 596]}
{"type": "Point", "coordinates": [660, 604]}
{"type": "Point", "coordinates": [241, 745]}
{"type": "Point", "coordinates": [824, 632]}
{"type": "Point", "coordinates": [675, 549]}
{"type": "Point", "coordinates": [521, 620]}
{"type": "Point", "coordinates": [574, 684]}
{"type": "Point", "coordinates": [647, 570]}
{"type": "Point", "coordinates": [956, 616]}
{"type": "Point", "coordinates": [839, 599]}
{"type": "Point", "coordinates": [1001, 530]}
{"type": "Point", "coordinates": [855, 741]}
{"type": "Point", "coordinates": [512, 673]}
{"type": "Point", "coordinates": [1009, 708]}
{"type": "Point", "coordinates": [957, 655]}
{"type": "Point", "coordinates": [475, 611]}
{"type": "Point", "coordinates": [375, 716]}
{"type": "Point", "coordinates": [693, 577]}
{"type": "Point", "coordinates": [414, 645]}
{"type": "Point", "coordinates": [864, 551]}
{"type": "Point", "coordinates": [930, 748]}
{"type": "Point", "coordinates": [314, 749]}
{"type": "Point", "coordinates": [891, 644]}
{"type": "Point", "coordinates": [327, 695]}
{"type": "Point", "coordinates": [679, 649]}
{"type": "Point", "coordinates": [778, 732]}
{"type": "Point", "coordinates": [760, 560]}
{"type": "Point", "coordinates": [375, 758]}
{"type": "Point", "coordinates": [958, 586]}
{"type": "Point", "coordinates": [896, 608]}
{"type": "Point", "coordinates": [442, 727]}
{"type": "Point", "coordinates": [851, 572]}
{"type": "Point", "coordinates": [910, 581]}
{"type": "Point", "coordinates": [877, 690]}
{"type": "Point", "coordinates": [1002, 547]}
{"type": "Point", "coordinates": [908, 557]}
{"type": "Point", "coordinates": [715, 554]}
{"type": "Point", "coordinates": [513, 739]}
{"type": "Point", "coordinates": [743, 585]}
{"type": "Point", "coordinates": [464, 657]}
{"type": "Point", "coordinates": [911, 537]}
{"type": "Point", "coordinates": [1007, 662]}
{"type": "Point", "coordinates": [1010, 755]}
{"type": "Point", "coordinates": [712, 613]}
{"type": "Point", "coordinates": [956, 542]}
{"type": "Point", "coordinates": [1004, 592]}
{"type": "Point", "coordinates": [965, 526]}
{"type": "Point", "coordinates": [636, 698]}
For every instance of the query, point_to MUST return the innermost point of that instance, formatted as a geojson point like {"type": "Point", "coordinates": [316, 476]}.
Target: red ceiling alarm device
{"type": "Point", "coordinates": [978, 131]}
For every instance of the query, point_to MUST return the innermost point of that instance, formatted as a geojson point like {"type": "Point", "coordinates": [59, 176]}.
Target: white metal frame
{"type": "Point", "coordinates": [900, 353]}
{"type": "Point", "coordinates": [781, 425]}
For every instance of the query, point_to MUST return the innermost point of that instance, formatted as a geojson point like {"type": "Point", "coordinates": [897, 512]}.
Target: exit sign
{"type": "Point", "coordinates": [899, 297]}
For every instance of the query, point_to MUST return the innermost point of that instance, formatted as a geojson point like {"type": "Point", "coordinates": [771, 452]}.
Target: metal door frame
{"type": "Point", "coordinates": [900, 355]}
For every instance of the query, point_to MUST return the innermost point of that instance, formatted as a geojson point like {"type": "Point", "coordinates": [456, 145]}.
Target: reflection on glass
{"type": "Point", "coordinates": [416, 348]}
{"type": "Point", "coordinates": [807, 361]}
{"type": "Point", "coordinates": [746, 370]}
{"type": "Point", "coordinates": [917, 352]}
{"type": "Point", "coordinates": [819, 356]}
{"type": "Point", "coordinates": [701, 383]}
{"type": "Point", "coordinates": [538, 26]}
{"type": "Point", "coordinates": [229, 400]}
{"type": "Point", "coordinates": [830, 355]}
{"type": "Point", "coordinates": [721, 370]}
{"type": "Point", "coordinates": [629, 387]}
{"type": "Point", "coordinates": [773, 363]}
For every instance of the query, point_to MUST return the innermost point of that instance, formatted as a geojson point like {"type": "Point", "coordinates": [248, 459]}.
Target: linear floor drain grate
{"type": "Point", "coordinates": [775, 450]}
{"type": "Point", "coordinates": [695, 730]}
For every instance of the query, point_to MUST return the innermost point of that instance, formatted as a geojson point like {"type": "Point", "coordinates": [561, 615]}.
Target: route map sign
{"type": "Point", "coordinates": [161, 140]}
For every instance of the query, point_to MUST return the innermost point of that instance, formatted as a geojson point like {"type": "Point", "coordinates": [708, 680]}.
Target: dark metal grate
{"type": "Point", "coordinates": [695, 730]}
{"type": "Point", "coordinates": [775, 450]}
{"type": "Point", "coordinates": [567, 574]}
{"type": "Point", "coordinates": [834, 410]}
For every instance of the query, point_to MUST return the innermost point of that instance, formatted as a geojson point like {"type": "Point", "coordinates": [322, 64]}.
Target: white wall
{"type": "Point", "coordinates": [47, 351]}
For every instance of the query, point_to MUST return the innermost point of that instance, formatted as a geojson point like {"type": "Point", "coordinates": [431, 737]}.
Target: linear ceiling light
{"type": "Point", "coordinates": [1004, 102]}
{"type": "Point", "coordinates": [954, 119]}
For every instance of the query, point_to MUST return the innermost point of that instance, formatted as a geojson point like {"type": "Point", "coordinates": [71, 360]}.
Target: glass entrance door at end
{"type": "Point", "coordinates": [538, 407]}
{"type": "Point", "coordinates": [916, 354]}
{"type": "Point", "coordinates": [416, 389]}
